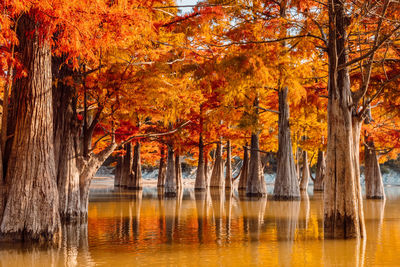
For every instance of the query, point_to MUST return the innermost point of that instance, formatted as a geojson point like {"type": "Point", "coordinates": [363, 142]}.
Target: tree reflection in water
{"type": "Point", "coordinates": [219, 226]}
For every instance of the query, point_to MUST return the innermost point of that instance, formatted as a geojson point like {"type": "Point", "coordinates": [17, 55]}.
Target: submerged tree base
{"type": "Point", "coordinates": [375, 197]}
{"type": "Point", "coordinates": [134, 187]}
{"type": "Point", "coordinates": [256, 195]}
{"type": "Point", "coordinates": [286, 198]}
{"type": "Point", "coordinates": [170, 194]}
{"type": "Point", "coordinates": [349, 228]}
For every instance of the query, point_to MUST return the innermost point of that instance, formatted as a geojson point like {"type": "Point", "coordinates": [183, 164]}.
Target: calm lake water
{"type": "Point", "coordinates": [217, 228]}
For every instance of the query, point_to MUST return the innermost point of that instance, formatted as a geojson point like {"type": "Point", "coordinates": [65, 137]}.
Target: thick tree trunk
{"type": "Point", "coordinates": [255, 182]}
{"type": "Point", "coordinates": [127, 165]}
{"type": "Point", "coordinates": [170, 183]}
{"type": "Point", "coordinates": [118, 171]}
{"type": "Point", "coordinates": [135, 181]}
{"type": "Point", "coordinates": [244, 173]}
{"type": "Point", "coordinates": [178, 171]}
{"type": "Point", "coordinates": [372, 172]}
{"type": "Point", "coordinates": [320, 173]}
{"type": "Point", "coordinates": [66, 141]}
{"type": "Point", "coordinates": [31, 207]}
{"type": "Point", "coordinates": [305, 177]}
{"type": "Point", "coordinates": [343, 217]}
{"type": "Point", "coordinates": [201, 182]}
{"type": "Point", "coordinates": [286, 182]}
{"type": "Point", "coordinates": [228, 170]}
{"type": "Point", "coordinates": [217, 176]}
{"type": "Point", "coordinates": [162, 170]}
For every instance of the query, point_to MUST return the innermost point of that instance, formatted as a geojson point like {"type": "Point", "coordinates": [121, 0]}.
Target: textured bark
{"type": "Point", "coordinates": [217, 176]}
{"type": "Point", "coordinates": [244, 173]}
{"type": "Point", "coordinates": [356, 131]}
{"type": "Point", "coordinates": [162, 170]}
{"type": "Point", "coordinates": [320, 173]}
{"type": "Point", "coordinates": [228, 170]}
{"type": "Point", "coordinates": [66, 128]}
{"type": "Point", "coordinates": [178, 171]}
{"type": "Point", "coordinates": [305, 177]}
{"type": "Point", "coordinates": [200, 182]}
{"type": "Point", "coordinates": [118, 171]}
{"type": "Point", "coordinates": [372, 172]}
{"type": "Point", "coordinates": [135, 177]}
{"type": "Point", "coordinates": [31, 203]}
{"type": "Point", "coordinates": [127, 165]}
{"type": "Point", "coordinates": [343, 216]}
{"type": "Point", "coordinates": [255, 182]}
{"type": "Point", "coordinates": [206, 170]}
{"type": "Point", "coordinates": [286, 182]}
{"type": "Point", "coordinates": [170, 182]}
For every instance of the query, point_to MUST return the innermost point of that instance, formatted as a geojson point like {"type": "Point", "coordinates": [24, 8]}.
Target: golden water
{"type": "Point", "coordinates": [127, 228]}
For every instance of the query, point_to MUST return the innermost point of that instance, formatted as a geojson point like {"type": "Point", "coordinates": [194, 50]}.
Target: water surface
{"type": "Point", "coordinates": [214, 228]}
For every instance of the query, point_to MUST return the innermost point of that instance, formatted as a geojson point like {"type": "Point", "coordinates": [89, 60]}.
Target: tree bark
{"type": "Point", "coordinates": [135, 181]}
{"type": "Point", "coordinates": [286, 183]}
{"type": "Point", "coordinates": [66, 128]}
{"type": "Point", "coordinates": [118, 171]}
{"type": "Point", "coordinates": [255, 182]}
{"type": "Point", "coordinates": [305, 177]}
{"type": "Point", "coordinates": [217, 176]}
{"type": "Point", "coordinates": [320, 173]}
{"type": "Point", "coordinates": [170, 183]}
{"type": "Point", "coordinates": [372, 172]}
{"type": "Point", "coordinates": [127, 165]}
{"type": "Point", "coordinates": [200, 182]}
{"type": "Point", "coordinates": [206, 170]}
{"type": "Point", "coordinates": [343, 217]}
{"type": "Point", "coordinates": [244, 173]}
{"type": "Point", "coordinates": [178, 170]}
{"type": "Point", "coordinates": [30, 210]}
{"type": "Point", "coordinates": [162, 170]}
{"type": "Point", "coordinates": [228, 171]}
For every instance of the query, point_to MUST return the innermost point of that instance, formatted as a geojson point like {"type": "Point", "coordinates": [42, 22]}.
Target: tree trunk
{"type": "Point", "coordinates": [170, 183]}
{"type": "Point", "coordinates": [31, 201]}
{"type": "Point", "coordinates": [178, 170]}
{"type": "Point", "coordinates": [343, 217]}
{"type": "Point", "coordinates": [162, 170]}
{"type": "Point", "coordinates": [206, 170]}
{"type": "Point", "coordinates": [228, 171]}
{"type": "Point", "coordinates": [305, 177]}
{"type": "Point", "coordinates": [244, 173]}
{"type": "Point", "coordinates": [201, 182]}
{"type": "Point", "coordinates": [88, 168]}
{"type": "Point", "coordinates": [217, 176]}
{"type": "Point", "coordinates": [255, 182]}
{"type": "Point", "coordinates": [286, 182]}
{"type": "Point", "coordinates": [126, 165]}
{"type": "Point", "coordinates": [135, 181]}
{"type": "Point", "coordinates": [66, 128]}
{"type": "Point", "coordinates": [356, 130]}
{"type": "Point", "coordinates": [320, 173]}
{"type": "Point", "coordinates": [118, 171]}
{"type": "Point", "coordinates": [372, 172]}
